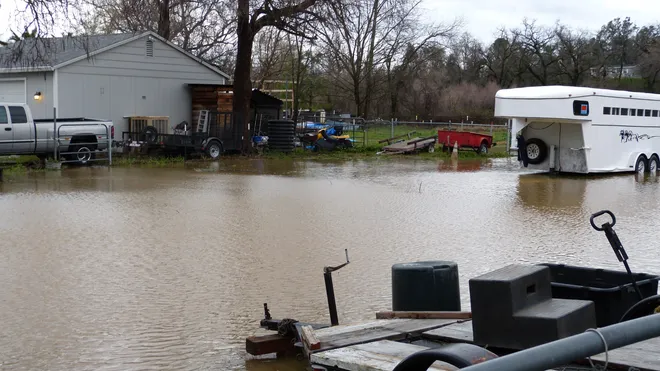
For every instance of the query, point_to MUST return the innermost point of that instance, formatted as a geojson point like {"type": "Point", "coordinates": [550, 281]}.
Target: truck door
{"type": "Point", "coordinates": [6, 134]}
{"type": "Point", "coordinates": [23, 131]}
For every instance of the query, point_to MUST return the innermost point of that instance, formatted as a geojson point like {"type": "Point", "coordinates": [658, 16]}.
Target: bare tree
{"type": "Point", "coordinates": [575, 54]}
{"type": "Point", "coordinates": [270, 55]}
{"type": "Point", "coordinates": [538, 48]}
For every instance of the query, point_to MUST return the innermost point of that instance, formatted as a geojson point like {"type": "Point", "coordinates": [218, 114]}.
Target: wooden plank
{"type": "Point", "coordinates": [391, 329]}
{"type": "Point", "coordinates": [423, 315]}
{"type": "Point", "coordinates": [374, 356]}
{"type": "Point", "coordinates": [266, 344]}
{"type": "Point", "coordinates": [459, 332]}
{"type": "Point", "coordinates": [309, 338]}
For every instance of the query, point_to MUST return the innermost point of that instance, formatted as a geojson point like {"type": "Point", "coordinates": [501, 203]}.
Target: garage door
{"type": "Point", "coordinates": [12, 91]}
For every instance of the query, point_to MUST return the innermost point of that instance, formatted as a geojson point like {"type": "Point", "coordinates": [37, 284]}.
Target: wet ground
{"type": "Point", "coordinates": [143, 268]}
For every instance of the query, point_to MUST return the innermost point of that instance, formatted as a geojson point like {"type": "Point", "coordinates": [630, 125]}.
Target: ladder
{"type": "Point", "coordinates": [203, 121]}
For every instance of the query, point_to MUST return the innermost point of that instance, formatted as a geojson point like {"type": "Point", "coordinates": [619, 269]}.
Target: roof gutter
{"type": "Point", "coordinates": [27, 69]}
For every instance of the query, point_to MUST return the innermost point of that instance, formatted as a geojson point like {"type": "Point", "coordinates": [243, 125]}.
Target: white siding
{"type": "Point", "coordinates": [124, 81]}
{"type": "Point", "coordinates": [36, 81]}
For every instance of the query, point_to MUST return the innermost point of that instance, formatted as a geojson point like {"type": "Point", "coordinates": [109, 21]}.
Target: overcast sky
{"type": "Point", "coordinates": [483, 17]}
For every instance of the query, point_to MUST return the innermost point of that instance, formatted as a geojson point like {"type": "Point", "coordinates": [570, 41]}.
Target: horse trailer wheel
{"type": "Point", "coordinates": [640, 165]}
{"type": "Point", "coordinates": [536, 151]}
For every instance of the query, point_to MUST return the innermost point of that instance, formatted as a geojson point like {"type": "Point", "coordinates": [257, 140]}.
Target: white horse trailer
{"type": "Point", "coordinates": [582, 130]}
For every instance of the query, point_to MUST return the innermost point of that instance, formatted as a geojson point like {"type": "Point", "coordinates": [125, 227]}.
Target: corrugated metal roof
{"type": "Point", "coordinates": [50, 52]}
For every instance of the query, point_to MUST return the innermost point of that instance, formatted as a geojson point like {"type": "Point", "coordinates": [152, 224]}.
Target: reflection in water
{"type": "Point", "coordinates": [169, 268]}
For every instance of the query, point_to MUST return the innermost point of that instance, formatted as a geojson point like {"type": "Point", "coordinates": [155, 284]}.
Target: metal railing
{"type": "Point", "coordinates": [87, 151]}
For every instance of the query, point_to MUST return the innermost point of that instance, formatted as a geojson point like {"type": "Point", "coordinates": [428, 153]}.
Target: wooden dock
{"type": "Point", "coordinates": [382, 344]}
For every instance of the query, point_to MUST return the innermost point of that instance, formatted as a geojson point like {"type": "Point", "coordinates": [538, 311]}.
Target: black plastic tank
{"type": "Point", "coordinates": [426, 286]}
{"type": "Point", "coordinates": [281, 135]}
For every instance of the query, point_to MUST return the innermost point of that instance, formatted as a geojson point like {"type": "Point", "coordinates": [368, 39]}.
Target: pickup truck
{"type": "Point", "coordinates": [79, 138]}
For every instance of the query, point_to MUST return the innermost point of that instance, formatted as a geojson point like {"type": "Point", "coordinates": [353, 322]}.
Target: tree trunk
{"type": "Point", "coordinates": [164, 18]}
{"type": "Point", "coordinates": [242, 80]}
{"type": "Point", "coordinates": [370, 61]}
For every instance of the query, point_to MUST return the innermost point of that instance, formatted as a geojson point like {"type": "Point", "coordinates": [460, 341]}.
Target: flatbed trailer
{"type": "Point", "coordinates": [410, 145]}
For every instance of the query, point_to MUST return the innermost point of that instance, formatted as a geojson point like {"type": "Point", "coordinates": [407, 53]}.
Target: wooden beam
{"type": "Point", "coordinates": [309, 338]}
{"type": "Point", "coordinates": [423, 315]}
{"type": "Point", "coordinates": [266, 344]}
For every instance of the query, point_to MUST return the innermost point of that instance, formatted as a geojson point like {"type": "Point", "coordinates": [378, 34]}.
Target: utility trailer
{"type": "Point", "coordinates": [214, 134]}
{"type": "Point", "coordinates": [410, 145]}
{"type": "Point", "coordinates": [566, 129]}
{"type": "Point", "coordinates": [465, 139]}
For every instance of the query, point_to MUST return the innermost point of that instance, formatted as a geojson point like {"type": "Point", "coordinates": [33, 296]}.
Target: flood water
{"type": "Point", "coordinates": [138, 268]}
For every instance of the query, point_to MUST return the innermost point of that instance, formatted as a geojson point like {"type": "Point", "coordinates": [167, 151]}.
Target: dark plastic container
{"type": "Point", "coordinates": [611, 291]}
{"type": "Point", "coordinates": [426, 286]}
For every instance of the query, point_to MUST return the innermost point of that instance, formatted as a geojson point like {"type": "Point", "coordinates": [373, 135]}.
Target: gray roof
{"type": "Point", "coordinates": [50, 52]}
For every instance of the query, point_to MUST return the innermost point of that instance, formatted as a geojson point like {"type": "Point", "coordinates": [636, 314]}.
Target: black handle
{"type": "Point", "coordinates": [593, 216]}
{"type": "Point", "coordinates": [7, 129]}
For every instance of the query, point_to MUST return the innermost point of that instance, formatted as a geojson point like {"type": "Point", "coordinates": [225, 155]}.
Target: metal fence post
{"type": "Point", "coordinates": [54, 132]}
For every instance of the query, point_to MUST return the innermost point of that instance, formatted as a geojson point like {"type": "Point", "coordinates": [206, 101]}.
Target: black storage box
{"type": "Point", "coordinates": [611, 291]}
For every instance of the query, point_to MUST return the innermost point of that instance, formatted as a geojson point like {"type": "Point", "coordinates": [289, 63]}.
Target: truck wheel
{"type": "Point", "coordinates": [214, 150]}
{"type": "Point", "coordinates": [83, 154]}
{"type": "Point", "coordinates": [536, 150]}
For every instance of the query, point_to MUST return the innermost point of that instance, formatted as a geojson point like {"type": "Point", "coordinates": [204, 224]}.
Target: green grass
{"type": "Point", "coordinates": [149, 161]}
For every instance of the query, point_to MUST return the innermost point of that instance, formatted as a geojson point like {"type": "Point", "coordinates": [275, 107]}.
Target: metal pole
{"type": "Point", "coordinates": [508, 136]}
{"type": "Point", "coordinates": [110, 141]}
{"type": "Point", "coordinates": [54, 131]}
{"type": "Point", "coordinates": [392, 134]}
{"type": "Point", "coordinates": [564, 351]}
{"type": "Point", "coordinates": [332, 305]}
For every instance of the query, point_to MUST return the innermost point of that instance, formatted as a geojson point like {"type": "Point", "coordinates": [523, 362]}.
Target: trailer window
{"type": "Point", "coordinates": [654, 113]}
{"type": "Point", "coordinates": [606, 110]}
{"type": "Point", "coordinates": [640, 112]}
{"type": "Point", "coordinates": [3, 115]}
{"type": "Point", "coordinates": [580, 108]}
{"type": "Point", "coordinates": [647, 113]}
{"type": "Point", "coordinates": [632, 112]}
{"type": "Point", "coordinates": [18, 115]}
{"type": "Point", "coordinates": [615, 110]}
{"type": "Point", "coordinates": [624, 112]}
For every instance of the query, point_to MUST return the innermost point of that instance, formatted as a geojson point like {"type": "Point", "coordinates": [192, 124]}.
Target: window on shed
{"type": "Point", "coordinates": [615, 110]}
{"type": "Point", "coordinates": [654, 113]}
{"type": "Point", "coordinates": [150, 48]}
{"type": "Point", "coordinates": [624, 112]}
{"type": "Point", "coordinates": [606, 110]}
{"type": "Point", "coordinates": [647, 113]}
{"type": "Point", "coordinates": [3, 115]}
{"type": "Point", "coordinates": [18, 115]}
{"type": "Point", "coordinates": [640, 112]}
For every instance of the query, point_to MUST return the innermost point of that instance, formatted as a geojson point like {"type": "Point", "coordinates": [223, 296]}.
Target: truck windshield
{"type": "Point", "coordinates": [18, 115]}
{"type": "Point", "coordinates": [3, 115]}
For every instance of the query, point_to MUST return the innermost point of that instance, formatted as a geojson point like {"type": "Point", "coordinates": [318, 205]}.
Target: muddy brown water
{"type": "Point", "coordinates": [168, 268]}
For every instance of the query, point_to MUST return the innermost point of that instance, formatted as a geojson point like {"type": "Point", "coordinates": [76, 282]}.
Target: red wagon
{"type": "Point", "coordinates": [478, 142]}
